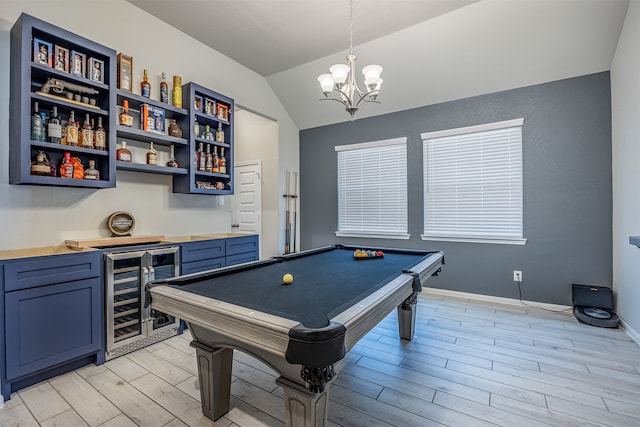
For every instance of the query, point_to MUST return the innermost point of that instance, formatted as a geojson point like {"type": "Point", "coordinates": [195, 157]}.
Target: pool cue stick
{"type": "Point", "coordinates": [295, 209]}
{"type": "Point", "coordinates": [287, 220]}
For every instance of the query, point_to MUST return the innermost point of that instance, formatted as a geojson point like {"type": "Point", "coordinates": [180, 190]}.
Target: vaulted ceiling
{"type": "Point", "coordinates": [432, 51]}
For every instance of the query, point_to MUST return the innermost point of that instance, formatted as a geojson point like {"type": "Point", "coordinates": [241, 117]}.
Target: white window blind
{"type": "Point", "coordinates": [473, 183]}
{"type": "Point", "coordinates": [372, 189]}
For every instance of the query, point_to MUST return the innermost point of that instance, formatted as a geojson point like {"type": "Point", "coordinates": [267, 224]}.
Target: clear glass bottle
{"type": "Point", "coordinates": [87, 132]}
{"type": "Point", "coordinates": [37, 124]}
{"type": "Point", "coordinates": [91, 172]}
{"type": "Point", "coordinates": [145, 86]}
{"type": "Point", "coordinates": [200, 158]}
{"type": "Point", "coordinates": [208, 135]}
{"type": "Point", "coordinates": [100, 136]}
{"type": "Point", "coordinates": [196, 128]}
{"type": "Point", "coordinates": [54, 127]}
{"type": "Point", "coordinates": [123, 153]}
{"type": "Point", "coordinates": [71, 130]}
{"type": "Point", "coordinates": [216, 161]}
{"type": "Point", "coordinates": [220, 133]}
{"type": "Point", "coordinates": [164, 89]}
{"type": "Point", "coordinates": [66, 167]}
{"type": "Point", "coordinates": [172, 163]}
{"type": "Point", "coordinates": [223, 161]}
{"type": "Point", "coordinates": [126, 119]}
{"type": "Point", "coordinates": [152, 155]}
{"type": "Point", "coordinates": [208, 159]}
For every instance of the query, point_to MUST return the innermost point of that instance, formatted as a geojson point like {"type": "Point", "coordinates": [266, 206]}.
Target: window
{"type": "Point", "coordinates": [473, 183]}
{"type": "Point", "coordinates": [372, 189]}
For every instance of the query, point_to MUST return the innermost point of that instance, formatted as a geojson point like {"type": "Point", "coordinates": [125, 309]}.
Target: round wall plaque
{"type": "Point", "coordinates": [121, 223]}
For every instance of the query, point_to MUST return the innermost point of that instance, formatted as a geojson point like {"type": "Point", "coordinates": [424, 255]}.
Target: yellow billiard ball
{"type": "Point", "coordinates": [287, 279]}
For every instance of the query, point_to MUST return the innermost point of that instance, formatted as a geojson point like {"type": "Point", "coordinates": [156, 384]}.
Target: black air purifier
{"type": "Point", "coordinates": [592, 305]}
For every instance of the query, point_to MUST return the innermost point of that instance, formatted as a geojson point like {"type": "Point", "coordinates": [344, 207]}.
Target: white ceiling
{"type": "Point", "coordinates": [432, 50]}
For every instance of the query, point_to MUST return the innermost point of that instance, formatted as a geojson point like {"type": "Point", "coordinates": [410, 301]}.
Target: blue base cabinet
{"type": "Point", "coordinates": [205, 255]}
{"type": "Point", "coordinates": [53, 317]}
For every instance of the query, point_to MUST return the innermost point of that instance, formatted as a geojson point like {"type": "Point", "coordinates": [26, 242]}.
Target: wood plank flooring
{"type": "Point", "coordinates": [471, 363]}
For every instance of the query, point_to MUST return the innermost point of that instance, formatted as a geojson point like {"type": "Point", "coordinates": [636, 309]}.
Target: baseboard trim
{"type": "Point", "coordinates": [498, 300]}
{"type": "Point", "coordinates": [633, 334]}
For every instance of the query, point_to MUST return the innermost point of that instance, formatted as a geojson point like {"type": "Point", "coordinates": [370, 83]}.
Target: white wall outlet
{"type": "Point", "coordinates": [517, 276]}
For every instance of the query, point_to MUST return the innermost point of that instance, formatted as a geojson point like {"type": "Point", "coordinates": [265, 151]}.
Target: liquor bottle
{"type": "Point", "coordinates": [177, 91]}
{"type": "Point", "coordinates": [87, 132]}
{"type": "Point", "coordinates": [91, 172]}
{"type": "Point", "coordinates": [66, 167]}
{"type": "Point", "coordinates": [196, 128]}
{"type": "Point", "coordinates": [216, 161]}
{"type": "Point", "coordinates": [126, 119]}
{"type": "Point", "coordinates": [164, 89]}
{"type": "Point", "coordinates": [152, 155]}
{"type": "Point", "coordinates": [172, 163]}
{"type": "Point", "coordinates": [145, 86]}
{"type": "Point", "coordinates": [220, 133]}
{"type": "Point", "coordinates": [208, 164]}
{"type": "Point", "coordinates": [123, 154]}
{"type": "Point", "coordinates": [100, 136]}
{"type": "Point", "coordinates": [40, 166]}
{"type": "Point", "coordinates": [174, 129]}
{"type": "Point", "coordinates": [223, 161]}
{"type": "Point", "coordinates": [208, 135]}
{"type": "Point", "coordinates": [37, 124]}
{"type": "Point", "coordinates": [200, 158]}
{"type": "Point", "coordinates": [54, 127]}
{"type": "Point", "coordinates": [71, 130]}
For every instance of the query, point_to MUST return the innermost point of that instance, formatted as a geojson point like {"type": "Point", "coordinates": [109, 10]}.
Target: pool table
{"type": "Point", "coordinates": [301, 329]}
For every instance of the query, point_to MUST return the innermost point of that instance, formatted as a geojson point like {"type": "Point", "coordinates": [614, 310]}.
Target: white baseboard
{"type": "Point", "coordinates": [498, 300]}
{"type": "Point", "coordinates": [630, 331]}
{"type": "Point", "coordinates": [633, 334]}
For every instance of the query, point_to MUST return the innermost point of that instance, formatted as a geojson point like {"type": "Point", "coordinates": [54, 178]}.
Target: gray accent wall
{"type": "Point", "coordinates": [567, 187]}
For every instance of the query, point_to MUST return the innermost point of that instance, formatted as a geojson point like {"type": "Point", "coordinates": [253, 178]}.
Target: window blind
{"type": "Point", "coordinates": [473, 182]}
{"type": "Point", "coordinates": [372, 188]}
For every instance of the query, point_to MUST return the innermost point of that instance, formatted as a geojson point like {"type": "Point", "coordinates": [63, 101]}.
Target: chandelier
{"type": "Point", "coordinates": [341, 84]}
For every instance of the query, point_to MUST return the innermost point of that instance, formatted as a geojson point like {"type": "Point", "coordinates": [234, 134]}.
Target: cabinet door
{"type": "Point", "coordinates": [203, 249]}
{"type": "Point", "coordinates": [241, 245]}
{"type": "Point", "coordinates": [51, 325]}
{"type": "Point", "coordinates": [242, 258]}
{"type": "Point", "coordinates": [198, 266]}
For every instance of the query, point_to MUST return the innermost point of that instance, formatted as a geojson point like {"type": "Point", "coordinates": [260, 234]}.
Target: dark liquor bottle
{"type": "Point", "coordinates": [100, 136]}
{"type": "Point", "coordinates": [66, 167]}
{"type": "Point", "coordinates": [71, 130]}
{"type": "Point", "coordinates": [123, 153]}
{"type": "Point", "coordinates": [172, 163]}
{"type": "Point", "coordinates": [174, 129]}
{"type": "Point", "coordinates": [87, 132]}
{"type": "Point", "coordinates": [220, 133]}
{"type": "Point", "coordinates": [152, 155]}
{"type": "Point", "coordinates": [208, 164]}
{"type": "Point", "coordinates": [91, 172]}
{"type": "Point", "coordinates": [54, 127]}
{"type": "Point", "coordinates": [37, 124]}
{"type": "Point", "coordinates": [216, 161]}
{"type": "Point", "coordinates": [200, 158]}
{"type": "Point", "coordinates": [145, 86]}
{"type": "Point", "coordinates": [164, 89]}
{"type": "Point", "coordinates": [126, 119]}
{"type": "Point", "coordinates": [223, 161]}
{"type": "Point", "coordinates": [40, 166]}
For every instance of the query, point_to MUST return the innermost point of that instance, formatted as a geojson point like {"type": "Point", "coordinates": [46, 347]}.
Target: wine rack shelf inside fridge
{"type": "Point", "coordinates": [72, 74]}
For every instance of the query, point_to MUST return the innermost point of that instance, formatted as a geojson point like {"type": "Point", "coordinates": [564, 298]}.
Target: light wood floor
{"type": "Point", "coordinates": [471, 364]}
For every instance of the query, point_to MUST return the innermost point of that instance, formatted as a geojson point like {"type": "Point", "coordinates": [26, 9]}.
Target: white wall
{"type": "Point", "coordinates": [625, 110]}
{"type": "Point", "coordinates": [41, 216]}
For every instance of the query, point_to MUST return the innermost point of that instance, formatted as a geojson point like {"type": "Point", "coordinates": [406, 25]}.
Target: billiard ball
{"type": "Point", "coordinates": [287, 279]}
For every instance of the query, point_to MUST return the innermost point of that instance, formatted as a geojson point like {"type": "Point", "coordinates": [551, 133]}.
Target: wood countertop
{"type": "Point", "coordinates": [43, 251]}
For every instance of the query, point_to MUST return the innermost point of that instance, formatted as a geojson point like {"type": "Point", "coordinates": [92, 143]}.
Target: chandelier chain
{"type": "Point", "coordinates": [351, 27]}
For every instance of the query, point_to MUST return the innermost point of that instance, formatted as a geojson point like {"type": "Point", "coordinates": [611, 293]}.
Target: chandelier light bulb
{"type": "Point", "coordinates": [372, 72]}
{"type": "Point", "coordinates": [326, 83]}
{"type": "Point", "coordinates": [339, 73]}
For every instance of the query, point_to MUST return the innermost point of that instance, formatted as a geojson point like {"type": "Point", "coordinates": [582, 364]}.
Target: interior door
{"type": "Point", "coordinates": [246, 204]}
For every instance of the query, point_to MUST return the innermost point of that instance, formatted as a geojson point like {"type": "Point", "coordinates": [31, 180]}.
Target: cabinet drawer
{"type": "Point", "coordinates": [205, 249]}
{"type": "Point", "coordinates": [198, 266]}
{"type": "Point", "coordinates": [42, 271]}
{"type": "Point", "coordinates": [241, 245]}
{"type": "Point", "coordinates": [240, 258]}
{"type": "Point", "coordinates": [52, 325]}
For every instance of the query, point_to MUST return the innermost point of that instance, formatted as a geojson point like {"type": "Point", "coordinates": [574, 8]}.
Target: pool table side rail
{"type": "Point", "coordinates": [366, 314]}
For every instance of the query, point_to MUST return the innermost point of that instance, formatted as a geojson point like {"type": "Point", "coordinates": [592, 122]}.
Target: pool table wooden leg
{"type": "Point", "coordinates": [407, 319]}
{"type": "Point", "coordinates": [302, 407]}
{"type": "Point", "coordinates": [214, 372]}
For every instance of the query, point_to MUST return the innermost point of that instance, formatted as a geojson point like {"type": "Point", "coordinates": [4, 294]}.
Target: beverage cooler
{"type": "Point", "coordinates": [131, 325]}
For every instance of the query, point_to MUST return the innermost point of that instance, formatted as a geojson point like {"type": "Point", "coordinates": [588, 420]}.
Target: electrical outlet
{"type": "Point", "coordinates": [517, 276]}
